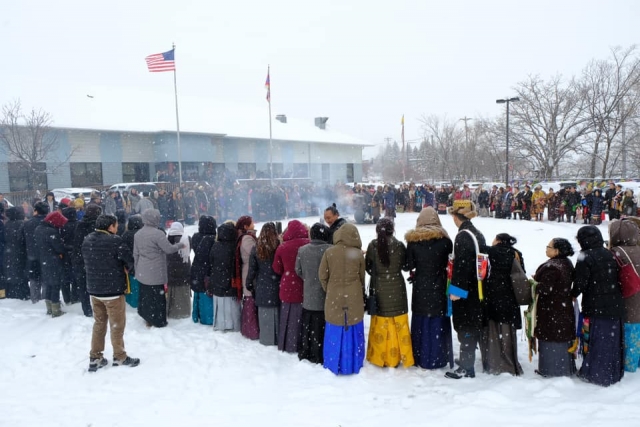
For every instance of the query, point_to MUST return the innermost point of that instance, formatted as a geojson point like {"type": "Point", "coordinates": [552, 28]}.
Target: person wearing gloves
{"type": "Point", "coordinates": [178, 273]}
{"type": "Point", "coordinates": [150, 247]}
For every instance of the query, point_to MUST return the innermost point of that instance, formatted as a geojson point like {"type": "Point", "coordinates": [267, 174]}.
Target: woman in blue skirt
{"type": "Point", "coordinates": [428, 249]}
{"type": "Point", "coordinates": [342, 274]}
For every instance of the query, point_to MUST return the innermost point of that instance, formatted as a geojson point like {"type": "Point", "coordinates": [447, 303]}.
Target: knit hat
{"type": "Point", "coordinates": [78, 203]}
{"type": "Point", "coordinates": [465, 208]}
{"type": "Point", "coordinates": [176, 229]}
{"type": "Point", "coordinates": [56, 219]}
{"type": "Point", "coordinates": [66, 201]}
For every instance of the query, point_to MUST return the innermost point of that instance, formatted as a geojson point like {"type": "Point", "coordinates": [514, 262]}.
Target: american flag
{"type": "Point", "coordinates": [267, 85]}
{"type": "Point", "coordinates": [159, 62]}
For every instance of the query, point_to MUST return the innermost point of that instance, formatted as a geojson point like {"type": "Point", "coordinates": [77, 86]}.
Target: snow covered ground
{"type": "Point", "coordinates": [193, 376]}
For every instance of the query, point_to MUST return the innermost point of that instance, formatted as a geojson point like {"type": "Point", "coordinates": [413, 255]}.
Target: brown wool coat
{"type": "Point", "coordinates": [342, 274]}
{"type": "Point", "coordinates": [555, 319]}
{"type": "Point", "coordinates": [626, 235]}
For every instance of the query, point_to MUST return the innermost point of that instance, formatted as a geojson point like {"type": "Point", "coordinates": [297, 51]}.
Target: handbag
{"type": "Point", "coordinates": [520, 283]}
{"type": "Point", "coordinates": [627, 276]}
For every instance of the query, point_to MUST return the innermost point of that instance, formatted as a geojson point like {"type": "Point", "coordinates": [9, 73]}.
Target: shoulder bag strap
{"type": "Point", "coordinates": [628, 259]}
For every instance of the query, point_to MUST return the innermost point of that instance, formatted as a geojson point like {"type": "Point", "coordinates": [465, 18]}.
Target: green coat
{"type": "Point", "coordinates": [388, 282]}
{"type": "Point", "coordinates": [342, 274]}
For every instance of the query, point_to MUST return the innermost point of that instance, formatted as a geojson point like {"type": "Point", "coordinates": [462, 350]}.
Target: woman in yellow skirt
{"type": "Point", "coordinates": [389, 332]}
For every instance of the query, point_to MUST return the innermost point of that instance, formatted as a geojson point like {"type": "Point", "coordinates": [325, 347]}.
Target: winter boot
{"type": "Point", "coordinates": [95, 364]}
{"type": "Point", "coordinates": [460, 373]}
{"type": "Point", "coordinates": [48, 304]}
{"type": "Point", "coordinates": [55, 310]}
{"type": "Point", "coordinates": [129, 361]}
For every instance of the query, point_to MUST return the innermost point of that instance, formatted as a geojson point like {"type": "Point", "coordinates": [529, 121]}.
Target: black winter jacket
{"type": "Point", "coordinates": [467, 312]}
{"type": "Point", "coordinates": [428, 252]}
{"type": "Point", "coordinates": [51, 253]}
{"type": "Point", "coordinates": [264, 281]}
{"type": "Point", "coordinates": [15, 251]}
{"type": "Point", "coordinates": [105, 258]}
{"type": "Point", "coordinates": [500, 300]}
{"type": "Point", "coordinates": [554, 313]}
{"type": "Point", "coordinates": [30, 236]}
{"type": "Point", "coordinates": [84, 227]}
{"type": "Point", "coordinates": [222, 259]}
{"type": "Point", "coordinates": [201, 243]}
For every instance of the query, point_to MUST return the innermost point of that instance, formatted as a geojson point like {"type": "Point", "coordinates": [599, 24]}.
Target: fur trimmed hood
{"type": "Point", "coordinates": [424, 233]}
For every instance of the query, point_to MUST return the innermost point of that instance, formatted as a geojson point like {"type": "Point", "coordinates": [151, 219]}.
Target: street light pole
{"type": "Point", "coordinates": [507, 101]}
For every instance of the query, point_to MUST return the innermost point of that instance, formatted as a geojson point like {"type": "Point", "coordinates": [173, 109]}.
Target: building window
{"type": "Point", "coordinates": [349, 172]}
{"type": "Point", "coordinates": [22, 177]}
{"type": "Point", "coordinates": [86, 174]}
{"type": "Point", "coordinates": [301, 170]}
{"type": "Point", "coordinates": [246, 170]}
{"type": "Point", "coordinates": [135, 172]}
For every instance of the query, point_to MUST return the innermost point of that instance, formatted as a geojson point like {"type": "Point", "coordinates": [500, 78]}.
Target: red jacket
{"type": "Point", "coordinates": [284, 262]}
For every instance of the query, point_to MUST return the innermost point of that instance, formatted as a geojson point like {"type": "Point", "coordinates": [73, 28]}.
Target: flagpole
{"type": "Point", "coordinates": [406, 154]}
{"type": "Point", "coordinates": [270, 136]}
{"type": "Point", "coordinates": [175, 87]}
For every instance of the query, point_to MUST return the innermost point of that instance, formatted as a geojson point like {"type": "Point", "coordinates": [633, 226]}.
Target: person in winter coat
{"type": "Point", "coordinates": [201, 243]}
{"type": "Point", "coordinates": [150, 248]}
{"type": "Point", "coordinates": [84, 227]}
{"type": "Point", "coordinates": [597, 207]}
{"type": "Point", "coordinates": [313, 296]}
{"type": "Point", "coordinates": [133, 225]}
{"type": "Point", "coordinates": [121, 216]}
{"type": "Point", "coordinates": [69, 287]}
{"type": "Point", "coordinates": [51, 253]}
{"type": "Point", "coordinates": [389, 196]}
{"type": "Point", "coordinates": [602, 310]}
{"type": "Point", "coordinates": [572, 202]}
{"type": "Point", "coordinates": [538, 202]}
{"type": "Point", "coordinates": [502, 312]}
{"type": "Point", "coordinates": [145, 204]}
{"type": "Point", "coordinates": [527, 196]}
{"type": "Point", "coordinates": [110, 206]}
{"type": "Point", "coordinates": [552, 205]}
{"type": "Point", "coordinates": [428, 249]}
{"type": "Point", "coordinates": [264, 283]}
{"type": "Point", "coordinates": [291, 285]}
{"type": "Point", "coordinates": [483, 201]}
{"type": "Point", "coordinates": [342, 274]}
{"type": "Point", "coordinates": [226, 304]}
{"type": "Point", "coordinates": [40, 210]}
{"type": "Point", "coordinates": [464, 291]}
{"type": "Point", "coordinates": [50, 200]}
{"type": "Point", "coordinates": [15, 255]}
{"type": "Point", "coordinates": [333, 220]}
{"type": "Point", "coordinates": [246, 242]}
{"type": "Point", "coordinates": [555, 327]}
{"type": "Point", "coordinates": [624, 237]}
{"type": "Point", "coordinates": [377, 202]}
{"type": "Point", "coordinates": [178, 274]}
{"type": "Point", "coordinates": [629, 203]}
{"type": "Point", "coordinates": [106, 257]}
{"type": "Point", "coordinates": [191, 208]}
{"type": "Point", "coordinates": [389, 333]}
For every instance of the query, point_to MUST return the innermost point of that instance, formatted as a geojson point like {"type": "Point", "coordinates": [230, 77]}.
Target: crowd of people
{"type": "Point", "coordinates": [588, 205]}
{"type": "Point", "coordinates": [304, 289]}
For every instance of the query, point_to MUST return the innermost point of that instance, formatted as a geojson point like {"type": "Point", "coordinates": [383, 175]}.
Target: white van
{"type": "Point", "coordinates": [139, 186]}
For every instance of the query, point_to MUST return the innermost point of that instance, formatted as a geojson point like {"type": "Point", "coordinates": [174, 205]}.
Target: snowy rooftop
{"type": "Point", "coordinates": [150, 112]}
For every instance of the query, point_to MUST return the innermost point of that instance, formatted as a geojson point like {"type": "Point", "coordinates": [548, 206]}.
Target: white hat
{"type": "Point", "coordinates": [176, 229]}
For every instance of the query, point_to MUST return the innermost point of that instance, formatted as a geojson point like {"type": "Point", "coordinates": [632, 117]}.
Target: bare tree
{"type": "Point", "coordinates": [446, 144]}
{"type": "Point", "coordinates": [548, 121]}
{"type": "Point", "coordinates": [28, 139]}
{"type": "Point", "coordinates": [608, 86]}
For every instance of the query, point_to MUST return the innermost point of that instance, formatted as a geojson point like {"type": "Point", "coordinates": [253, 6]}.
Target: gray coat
{"type": "Point", "coordinates": [150, 247]}
{"type": "Point", "coordinates": [307, 264]}
{"type": "Point", "coordinates": [144, 204]}
{"type": "Point", "coordinates": [110, 206]}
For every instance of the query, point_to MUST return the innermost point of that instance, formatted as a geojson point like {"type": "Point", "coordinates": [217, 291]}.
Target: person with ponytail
{"type": "Point", "coordinates": [389, 333]}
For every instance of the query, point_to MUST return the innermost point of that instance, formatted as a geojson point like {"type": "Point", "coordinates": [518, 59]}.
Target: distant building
{"type": "Point", "coordinates": [104, 152]}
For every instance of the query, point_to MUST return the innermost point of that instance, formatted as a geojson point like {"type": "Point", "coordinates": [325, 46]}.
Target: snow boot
{"type": "Point", "coordinates": [48, 304]}
{"type": "Point", "coordinates": [460, 373]}
{"type": "Point", "coordinates": [129, 361]}
{"type": "Point", "coordinates": [95, 364]}
{"type": "Point", "coordinates": [55, 310]}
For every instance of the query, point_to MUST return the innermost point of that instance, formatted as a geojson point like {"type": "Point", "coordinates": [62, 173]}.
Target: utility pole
{"type": "Point", "coordinates": [624, 138]}
{"type": "Point", "coordinates": [465, 119]}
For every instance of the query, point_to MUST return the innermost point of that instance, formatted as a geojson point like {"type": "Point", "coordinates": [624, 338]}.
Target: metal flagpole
{"type": "Point", "coordinates": [175, 87]}
{"type": "Point", "coordinates": [270, 136]}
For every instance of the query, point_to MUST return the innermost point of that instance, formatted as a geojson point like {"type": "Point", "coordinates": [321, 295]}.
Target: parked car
{"type": "Point", "coordinates": [73, 193]}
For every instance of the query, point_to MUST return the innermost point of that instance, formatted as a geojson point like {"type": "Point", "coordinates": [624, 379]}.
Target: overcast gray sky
{"type": "Point", "coordinates": [362, 63]}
